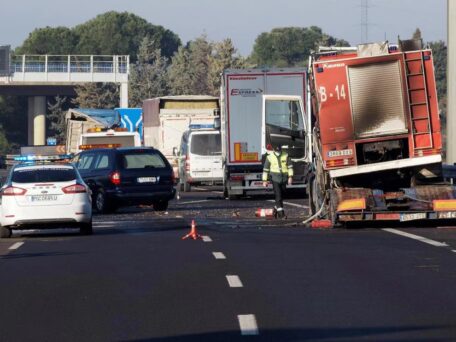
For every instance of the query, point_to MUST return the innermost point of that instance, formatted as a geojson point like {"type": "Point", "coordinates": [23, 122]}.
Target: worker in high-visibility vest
{"type": "Point", "coordinates": [279, 169]}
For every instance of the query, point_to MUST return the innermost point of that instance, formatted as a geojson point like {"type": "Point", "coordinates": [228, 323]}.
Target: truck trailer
{"type": "Point", "coordinates": [262, 108]}
{"type": "Point", "coordinates": [166, 118]}
{"type": "Point", "coordinates": [377, 139]}
{"type": "Point", "coordinates": [90, 128]}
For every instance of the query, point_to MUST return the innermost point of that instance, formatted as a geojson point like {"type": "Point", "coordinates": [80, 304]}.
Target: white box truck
{"type": "Point", "coordinates": [166, 118]}
{"type": "Point", "coordinates": [261, 109]}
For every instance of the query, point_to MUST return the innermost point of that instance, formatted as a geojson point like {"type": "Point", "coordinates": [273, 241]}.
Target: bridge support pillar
{"type": "Point", "coordinates": [124, 95]}
{"type": "Point", "coordinates": [37, 120]}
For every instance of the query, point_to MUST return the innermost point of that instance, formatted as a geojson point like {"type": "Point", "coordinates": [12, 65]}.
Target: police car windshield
{"type": "Point", "coordinates": [43, 175]}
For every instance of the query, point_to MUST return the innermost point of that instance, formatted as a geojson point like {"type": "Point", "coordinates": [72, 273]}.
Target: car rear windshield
{"type": "Point", "coordinates": [43, 175]}
{"type": "Point", "coordinates": [142, 160]}
{"type": "Point", "coordinates": [206, 144]}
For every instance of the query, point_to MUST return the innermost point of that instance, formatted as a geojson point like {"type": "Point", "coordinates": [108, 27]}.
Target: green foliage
{"type": "Point", "coordinates": [148, 76]}
{"type": "Point", "coordinates": [49, 40]}
{"type": "Point", "coordinates": [121, 34]}
{"type": "Point", "coordinates": [97, 95]}
{"type": "Point", "coordinates": [111, 33]}
{"type": "Point", "coordinates": [439, 52]}
{"type": "Point", "coordinates": [289, 46]}
{"type": "Point", "coordinates": [224, 56]}
{"type": "Point", "coordinates": [13, 120]}
{"type": "Point", "coordinates": [196, 68]}
{"type": "Point", "coordinates": [56, 116]}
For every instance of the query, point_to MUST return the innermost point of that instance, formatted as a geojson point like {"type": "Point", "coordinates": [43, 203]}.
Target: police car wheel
{"type": "Point", "coordinates": [5, 232]}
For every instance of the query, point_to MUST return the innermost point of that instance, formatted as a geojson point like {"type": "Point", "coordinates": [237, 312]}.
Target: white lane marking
{"type": "Point", "coordinates": [234, 281]}
{"type": "Point", "coordinates": [248, 324]}
{"type": "Point", "coordinates": [453, 250]}
{"type": "Point", "coordinates": [416, 237]}
{"type": "Point", "coordinates": [201, 189]}
{"type": "Point", "coordinates": [16, 245]}
{"type": "Point", "coordinates": [219, 255]}
{"type": "Point", "coordinates": [292, 204]}
{"type": "Point", "coordinates": [206, 238]}
{"type": "Point", "coordinates": [191, 202]}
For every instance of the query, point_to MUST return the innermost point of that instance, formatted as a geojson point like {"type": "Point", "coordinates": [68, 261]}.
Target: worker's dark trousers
{"type": "Point", "coordinates": [279, 189]}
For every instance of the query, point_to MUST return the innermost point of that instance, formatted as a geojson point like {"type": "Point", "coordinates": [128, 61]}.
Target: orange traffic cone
{"type": "Point", "coordinates": [193, 234]}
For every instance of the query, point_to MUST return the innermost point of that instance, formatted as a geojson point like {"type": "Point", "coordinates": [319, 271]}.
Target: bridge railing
{"type": "Point", "coordinates": [70, 63]}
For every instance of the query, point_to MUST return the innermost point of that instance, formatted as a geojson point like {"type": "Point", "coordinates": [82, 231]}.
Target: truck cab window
{"type": "Point", "coordinates": [284, 114]}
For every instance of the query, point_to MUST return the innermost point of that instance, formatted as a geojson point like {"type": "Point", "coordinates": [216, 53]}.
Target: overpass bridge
{"type": "Point", "coordinates": [38, 76]}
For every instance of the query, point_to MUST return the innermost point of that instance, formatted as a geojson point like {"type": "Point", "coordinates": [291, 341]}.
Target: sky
{"type": "Point", "coordinates": [240, 20]}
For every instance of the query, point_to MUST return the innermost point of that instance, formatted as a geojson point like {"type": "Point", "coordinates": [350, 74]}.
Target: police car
{"type": "Point", "coordinates": [42, 194]}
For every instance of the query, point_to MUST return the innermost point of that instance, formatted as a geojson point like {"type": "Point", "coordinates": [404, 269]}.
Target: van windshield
{"type": "Point", "coordinates": [206, 144]}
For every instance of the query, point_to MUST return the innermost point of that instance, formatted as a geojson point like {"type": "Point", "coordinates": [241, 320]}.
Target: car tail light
{"type": "Point", "coordinates": [74, 189]}
{"type": "Point", "coordinates": [13, 191]}
{"type": "Point", "coordinates": [115, 178]}
{"type": "Point", "coordinates": [173, 177]}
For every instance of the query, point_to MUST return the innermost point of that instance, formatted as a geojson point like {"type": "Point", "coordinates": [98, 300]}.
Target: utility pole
{"type": "Point", "coordinates": [451, 83]}
{"type": "Point", "coordinates": [364, 21]}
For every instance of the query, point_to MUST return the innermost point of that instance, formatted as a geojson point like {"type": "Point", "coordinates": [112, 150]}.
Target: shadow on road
{"type": "Point", "coordinates": [397, 334]}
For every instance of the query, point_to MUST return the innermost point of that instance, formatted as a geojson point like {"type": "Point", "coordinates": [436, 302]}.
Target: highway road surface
{"type": "Point", "coordinates": [246, 279]}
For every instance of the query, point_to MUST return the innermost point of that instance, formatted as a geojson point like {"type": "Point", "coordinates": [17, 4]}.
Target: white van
{"type": "Point", "coordinates": [200, 158]}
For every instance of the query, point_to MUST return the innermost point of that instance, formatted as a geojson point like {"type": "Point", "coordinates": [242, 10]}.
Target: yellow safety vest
{"type": "Point", "coordinates": [278, 166]}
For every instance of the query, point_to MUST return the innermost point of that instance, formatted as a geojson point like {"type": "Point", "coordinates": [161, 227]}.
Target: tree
{"type": "Point", "coordinates": [289, 46]}
{"type": "Point", "coordinates": [148, 76]}
{"type": "Point", "coordinates": [121, 34]}
{"type": "Point", "coordinates": [224, 56]}
{"type": "Point", "coordinates": [179, 75]}
{"type": "Point", "coordinates": [57, 109]}
{"type": "Point", "coordinates": [188, 73]}
{"type": "Point", "coordinates": [97, 95]}
{"type": "Point", "coordinates": [54, 41]}
{"type": "Point", "coordinates": [13, 119]}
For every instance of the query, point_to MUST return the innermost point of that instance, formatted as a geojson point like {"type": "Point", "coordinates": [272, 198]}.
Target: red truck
{"type": "Point", "coordinates": [377, 139]}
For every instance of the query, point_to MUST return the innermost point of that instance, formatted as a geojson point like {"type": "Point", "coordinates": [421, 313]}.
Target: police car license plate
{"type": "Point", "coordinates": [147, 179]}
{"type": "Point", "coordinates": [43, 198]}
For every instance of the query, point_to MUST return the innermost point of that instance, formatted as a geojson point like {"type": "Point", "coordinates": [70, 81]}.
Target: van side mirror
{"type": "Point", "coordinates": [175, 151]}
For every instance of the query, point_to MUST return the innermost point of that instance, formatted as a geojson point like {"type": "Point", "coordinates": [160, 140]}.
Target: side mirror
{"type": "Point", "coordinates": [175, 151]}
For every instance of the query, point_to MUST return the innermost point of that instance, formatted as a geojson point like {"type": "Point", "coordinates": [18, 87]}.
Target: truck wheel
{"type": "Point", "coordinates": [86, 228]}
{"type": "Point", "coordinates": [5, 232]}
{"type": "Point", "coordinates": [160, 205]}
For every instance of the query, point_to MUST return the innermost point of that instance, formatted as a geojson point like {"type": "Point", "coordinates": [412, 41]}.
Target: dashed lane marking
{"type": "Point", "coordinates": [234, 281]}
{"type": "Point", "coordinates": [219, 255]}
{"type": "Point", "coordinates": [248, 324]}
{"type": "Point", "coordinates": [293, 204]}
{"type": "Point", "coordinates": [416, 237]}
{"type": "Point", "coordinates": [16, 245]}
{"type": "Point", "coordinates": [206, 238]}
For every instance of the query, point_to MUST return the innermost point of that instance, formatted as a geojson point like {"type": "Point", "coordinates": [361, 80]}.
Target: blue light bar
{"type": "Point", "coordinates": [200, 126]}
{"type": "Point", "coordinates": [43, 158]}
